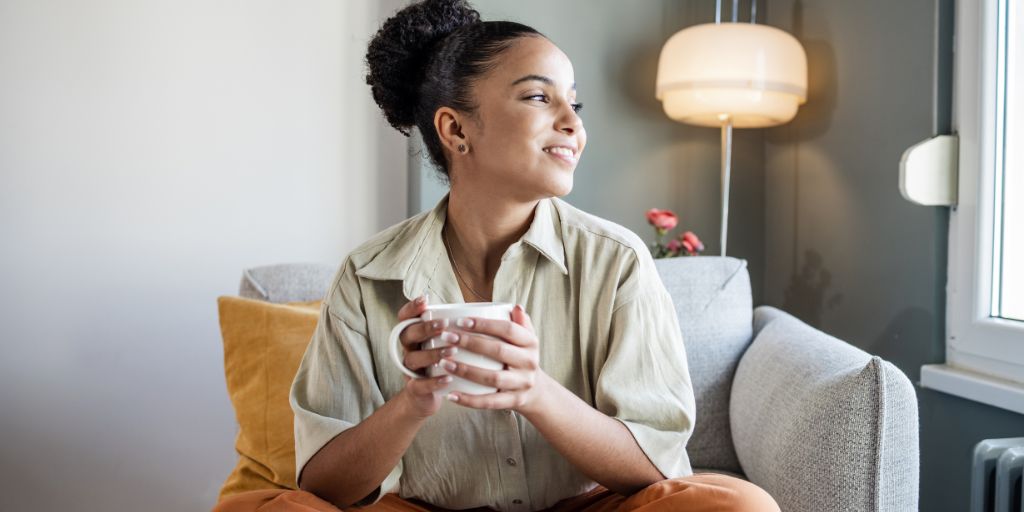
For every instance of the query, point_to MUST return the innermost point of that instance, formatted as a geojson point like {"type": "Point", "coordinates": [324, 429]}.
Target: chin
{"type": "Point", "coordinates": [547, 182]}
{"type": "Point", "coordinates": [564, 190]}
{"type": "Point", "coordinates": [562, 187]}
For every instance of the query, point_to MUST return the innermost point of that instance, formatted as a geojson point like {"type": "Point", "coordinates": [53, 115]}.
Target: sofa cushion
{"type": "Point", "coordinates": [821, 424]}
{"type": "Point", "coordinates": [713, 303]}
{"type": "Point", "coordinates": [263, 345]}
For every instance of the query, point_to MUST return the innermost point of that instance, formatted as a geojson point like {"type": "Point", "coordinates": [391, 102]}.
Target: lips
{"type": "Point", "coordinates": [564, 153]}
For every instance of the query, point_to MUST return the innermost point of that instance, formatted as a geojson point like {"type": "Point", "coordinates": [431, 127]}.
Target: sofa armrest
{"type": "Point", "coordinates": [822, 425]}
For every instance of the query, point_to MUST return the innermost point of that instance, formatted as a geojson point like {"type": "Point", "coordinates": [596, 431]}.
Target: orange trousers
{"type": "Point", "coordinates": [700, 492]}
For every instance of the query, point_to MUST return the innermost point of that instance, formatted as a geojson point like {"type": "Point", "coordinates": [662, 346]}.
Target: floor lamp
{"type": "Point", "coordinates": [731, 75]}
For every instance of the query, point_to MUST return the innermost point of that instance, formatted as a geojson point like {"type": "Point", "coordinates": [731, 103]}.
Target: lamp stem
{"type": "Point", "coordinates": [726, 164]}
{"type": "Point", "coordinates": [753, 12]}
{"type": "Point", "coordinates": [735, 10]}
{"type": "Point", "coordinates": [718, 11]}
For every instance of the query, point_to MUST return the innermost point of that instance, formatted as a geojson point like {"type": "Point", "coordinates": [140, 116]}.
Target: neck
{"type": "Point", "coordinates": [481, 227]}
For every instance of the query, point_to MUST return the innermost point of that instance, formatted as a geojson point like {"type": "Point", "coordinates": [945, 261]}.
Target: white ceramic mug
{"type": "Point", "coordinates": [496, 310]}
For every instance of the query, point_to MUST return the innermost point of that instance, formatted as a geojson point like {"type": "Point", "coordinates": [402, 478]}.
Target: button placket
{"type": "Point", "coordinates": [517, 491]}
{"type": "Point", "coordinates": [510, 282]}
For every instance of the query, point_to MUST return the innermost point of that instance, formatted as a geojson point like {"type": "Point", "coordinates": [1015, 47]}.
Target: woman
{"type": "Point", "coordinates": [594, 407]}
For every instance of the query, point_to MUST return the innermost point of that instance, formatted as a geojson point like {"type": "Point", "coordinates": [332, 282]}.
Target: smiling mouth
{"type": "Point", "coordinates": [564, 154]}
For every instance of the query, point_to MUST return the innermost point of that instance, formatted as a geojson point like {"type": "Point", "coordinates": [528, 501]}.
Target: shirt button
{"type": "Point", "coordinates": [510, 461]}
{"type": "Point", "coordinates": [517, 501]}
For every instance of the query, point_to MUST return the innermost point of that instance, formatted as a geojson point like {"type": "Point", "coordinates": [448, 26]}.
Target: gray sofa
{"type": "Point", "coordinates": [818, 423]}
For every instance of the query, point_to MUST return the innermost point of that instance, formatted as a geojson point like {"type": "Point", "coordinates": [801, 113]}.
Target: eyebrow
{"type": "Point", "coordinates": [539, 78]}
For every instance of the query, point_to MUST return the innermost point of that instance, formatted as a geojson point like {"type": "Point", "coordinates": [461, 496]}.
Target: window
{"type": "Point", "coordinates": [1008, 293]}
{"type": "Point", "coordinates": [985, 291]}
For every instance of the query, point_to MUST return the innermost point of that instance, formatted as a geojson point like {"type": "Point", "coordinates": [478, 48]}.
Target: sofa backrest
{"type": "Point", "coordinates": [286, 282]}
{"type": "Point", "coordinates": [713, 303]}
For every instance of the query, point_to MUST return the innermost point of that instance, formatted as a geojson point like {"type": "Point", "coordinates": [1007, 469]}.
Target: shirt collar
{"type": "Point", "coordinates": [415, 253]}
{"type": "Point", "coordinates": [545, 234]}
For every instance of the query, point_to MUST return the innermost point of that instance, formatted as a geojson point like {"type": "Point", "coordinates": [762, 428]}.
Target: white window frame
{"type": "Point", "coordinates": [984, 355]}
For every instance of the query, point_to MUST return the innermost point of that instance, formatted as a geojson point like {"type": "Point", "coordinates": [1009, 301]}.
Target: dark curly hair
{"type": "Point", "coordinates": [426, 57]}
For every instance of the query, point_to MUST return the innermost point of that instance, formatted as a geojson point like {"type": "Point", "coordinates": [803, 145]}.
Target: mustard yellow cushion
{"type": "Point", "coordinates": [263, 345]}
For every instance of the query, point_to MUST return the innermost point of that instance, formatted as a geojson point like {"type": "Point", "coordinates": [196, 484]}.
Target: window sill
{"type": "Point", "coordinates": [974, 386]}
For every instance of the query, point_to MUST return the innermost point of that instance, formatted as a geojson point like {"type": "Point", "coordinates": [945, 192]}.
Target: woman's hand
{"type": "Point", "coordinates": [521, 383]}
{"type": "Point", "coordinates": [421, 394]}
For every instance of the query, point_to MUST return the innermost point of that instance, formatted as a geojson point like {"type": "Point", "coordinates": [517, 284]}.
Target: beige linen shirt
{"type": "Point", "coordinates": [608, 333]}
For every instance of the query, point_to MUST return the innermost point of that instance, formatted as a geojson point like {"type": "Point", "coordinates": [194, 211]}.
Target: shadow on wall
{"type": "Point", "coordinates": [805, 295]}
{"type": "Point", "coordinates": [814, 117]}
{"type": "Point", "coordinates": [908, 336]}
{"type": "Point", "coordinates": [895, 342]}
{"type": "Point", "coordinates": [639, 72]}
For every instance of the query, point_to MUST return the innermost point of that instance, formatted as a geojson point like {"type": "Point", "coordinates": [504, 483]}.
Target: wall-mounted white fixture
{"type": "Point", "coordinates": [928, 171]}
{"type": "Point", "coordinates": [729, 75]}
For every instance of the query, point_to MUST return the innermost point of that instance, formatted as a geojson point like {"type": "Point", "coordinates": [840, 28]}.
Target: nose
{"type": "Point", "coordinates": [569, 122]}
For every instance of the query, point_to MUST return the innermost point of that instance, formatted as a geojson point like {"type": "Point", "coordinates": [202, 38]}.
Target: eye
{"type": "Point", "coordinates": [576, 107]}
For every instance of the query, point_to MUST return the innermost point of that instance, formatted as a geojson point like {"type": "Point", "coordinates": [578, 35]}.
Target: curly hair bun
{"type": "Point", "coordinates": [400, 51]}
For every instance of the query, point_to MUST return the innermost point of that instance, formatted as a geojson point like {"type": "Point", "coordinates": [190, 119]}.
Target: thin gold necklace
{"type": "Point", "coordinates": [444, 236]}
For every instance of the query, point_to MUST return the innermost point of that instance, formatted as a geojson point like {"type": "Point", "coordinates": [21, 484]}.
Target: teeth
{"type": "Point", "coordinates": [560, 151]}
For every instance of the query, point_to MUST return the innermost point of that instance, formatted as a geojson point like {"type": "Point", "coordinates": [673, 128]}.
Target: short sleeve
{"type": "Point", "coordinates": [335, 387]}
{"type": "Point", "coordinates": [645, 380]}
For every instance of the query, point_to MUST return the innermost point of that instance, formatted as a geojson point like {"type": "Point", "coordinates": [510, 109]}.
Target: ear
{"type": "Point", "coordinates": [448, 124]}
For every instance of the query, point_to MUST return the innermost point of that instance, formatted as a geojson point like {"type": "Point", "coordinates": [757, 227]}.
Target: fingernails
{"type": "Point", "coordinates": [449, 337]}
{"type": "Point", "coordinates": [448, 365]}
{"type": "Point", "coordinates": [446, 379]}
{"type": "Point", "coordinates": [450, 351]}
{"type": "Point", "coordinates": [422, 299]}
{"type": "Point", "coordinates": [464, 322]}
{"type": "Point", "coordinates": [452, 397]}
{"type": "Point", "coordinates": [437, 324]}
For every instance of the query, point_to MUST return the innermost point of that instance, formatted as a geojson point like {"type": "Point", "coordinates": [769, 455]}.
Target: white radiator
{"type": "Point", "coordinates": [996, 475]}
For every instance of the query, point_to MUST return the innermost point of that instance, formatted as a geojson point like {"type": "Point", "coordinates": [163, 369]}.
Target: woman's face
{"type": "Point", "coordinates": [526, 136]}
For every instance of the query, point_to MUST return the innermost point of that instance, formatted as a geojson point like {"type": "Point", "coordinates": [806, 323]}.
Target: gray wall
{"type": "Point", "coordinates": [636, 157]}
{"type": "Point", "coordinates": [843, 250]}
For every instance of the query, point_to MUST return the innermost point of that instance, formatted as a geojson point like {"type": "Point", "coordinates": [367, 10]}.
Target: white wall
{"type": "Point", "coordinates": [149, 151]}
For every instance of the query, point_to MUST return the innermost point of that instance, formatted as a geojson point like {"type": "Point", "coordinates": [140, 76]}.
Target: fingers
{"type": "Point", "coordinates": [488, 401]}
{"type": "Point", "coordinates": [424, 388]}
{"type": "Point", "coordinates": [413, 308]}
{"type": "Point", "coordinates": [419, 359]}
{"type": "Point", "coordinates": [419, 332]}
{"type": "Point", "coordinates": [503, 380]}
{"type": "Point", "coordinates": [499, 350]}
{"type": "Point", "coordinates": [504, 329]}
{"type": "Point", "coordinates": [520, 317]}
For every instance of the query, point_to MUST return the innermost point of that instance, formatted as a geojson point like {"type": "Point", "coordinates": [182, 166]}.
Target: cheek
{"type": "Point", "coordinates": [519, 140]}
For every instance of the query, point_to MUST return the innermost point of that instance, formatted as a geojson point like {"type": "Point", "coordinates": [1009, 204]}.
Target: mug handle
{"type": "Point", "coordinates": [393, 344]}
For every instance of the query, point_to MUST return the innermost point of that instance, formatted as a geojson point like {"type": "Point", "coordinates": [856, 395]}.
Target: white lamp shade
{"type": "Point", "coordinates": [755, 74]}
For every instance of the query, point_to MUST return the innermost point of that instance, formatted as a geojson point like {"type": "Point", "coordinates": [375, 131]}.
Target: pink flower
{"type": "Point", "coordinates": [673, 246]}
{"type": "Point", "coordinates": [663, 220]}
{"type": "Point", "coordinates": [691, 243]}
